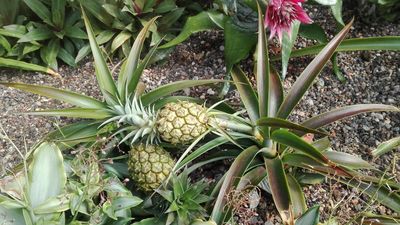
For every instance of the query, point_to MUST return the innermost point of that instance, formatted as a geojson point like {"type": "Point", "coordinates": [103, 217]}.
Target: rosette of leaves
{"type": "Point", "coordinates": [184, 200]}
{"type": "Point", "coordinates": [124, 101]}
{"type": "Point", "coordinates": [119, 22]}
{"type": "Point", "coordinates": [274, 153]}
{"type": "Point", "coordinates": [178, 202]}
{"type": "Point", "coordinates": [53, 189]}
{"type": "Point", "coordinates": [56, 35]}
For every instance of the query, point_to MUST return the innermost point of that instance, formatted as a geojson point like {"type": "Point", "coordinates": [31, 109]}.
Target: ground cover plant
{"type": "Point", "coordinates": [129, 159]}
{"type": "Point", "coordinates": [49, 32]}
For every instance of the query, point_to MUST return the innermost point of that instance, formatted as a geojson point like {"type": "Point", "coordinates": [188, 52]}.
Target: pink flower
{"type": "Point", "coordinates": [281, 14]}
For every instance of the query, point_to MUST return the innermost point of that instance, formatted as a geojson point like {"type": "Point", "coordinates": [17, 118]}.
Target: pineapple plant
{"type": "Point", "coordinates": [149, 165]}
{"type": "Point", "coordinates": [124, 113]}
{"type": "Point", "coordinates": [273, 154]}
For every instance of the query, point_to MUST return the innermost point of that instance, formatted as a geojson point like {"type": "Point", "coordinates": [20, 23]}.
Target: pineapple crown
{"type": "Point", "coordinates": [137, 120]}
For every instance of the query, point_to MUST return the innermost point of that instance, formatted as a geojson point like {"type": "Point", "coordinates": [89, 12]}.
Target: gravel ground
{"type": "Point", "coordinates": [372, 77]}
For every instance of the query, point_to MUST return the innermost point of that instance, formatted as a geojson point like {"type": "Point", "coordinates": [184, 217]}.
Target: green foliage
{"type": "Point", "coordinates": [45, 32]}
{"type": "Point", "coordinates": [120, 98]}
{"type": "Point", "coordinates": [58, 190]}
{"type": "Point", "coordinates": [120, 21]}
{"type": "Point", "coordinates": [9, 11]}
{"type": "Point", "coordinates": [184, 199]}
{"type": "Point", "coordinates": [57, 35]}
{"type": "Point", "coordinates": [386, 146]}
{"type": "Point", "coordinates": [275, 145]}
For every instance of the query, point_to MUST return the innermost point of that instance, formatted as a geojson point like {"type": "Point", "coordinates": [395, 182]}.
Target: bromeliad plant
{"type": "Point", "coordinates": [275, 148]}
{"type": "Point", "coordinates": [57, 35]}
{"type": "Point", "coordinates": [128, 114]}
{"type": "Point", "coordinates": [120, 20]}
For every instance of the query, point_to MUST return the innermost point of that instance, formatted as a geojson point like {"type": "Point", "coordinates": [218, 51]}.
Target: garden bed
{"type": "Point", "coordinates": [371, 77]}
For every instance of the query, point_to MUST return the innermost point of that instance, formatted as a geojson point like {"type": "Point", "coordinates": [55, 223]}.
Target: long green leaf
{"type": "Point", "coordinates": [307, 162]}
{"type": "Point", "coordinates": [311, 217]}
{"type": "Point", "coordinates": [12, 32]}
{"type": "Point", "coordinates": [307, 77]}
{"type": "Point", "coordinates": [288, 42]}
{"type": "Point", "coordinates": [5, 44]}
{"type": "Point", "coordinates": [337, 11]}
{"type": "Point", "coordinates": [103, 74]}
{"type": "Point", "coordinates": [344, 159]}
{"type": "Point", "coordinates": [252, 178]}
{"type": "Point", "coordinates": [38, 34]}
{"type": "Point", "coordinates": [167, 89]}
{"type": "Point", "coordinates": [234, 37]}
{"type": "Point", "coordinates": [275, 92]}
{"type": "Point", "coordinates": [194, 24]}
{"type": "Point", "coordinates": [345, 112]}
{"type": "Point", "coordinates": [232, 179]}
{"type": "Point", "coordinates": [58, 12]}
{"type": "Point", "coordinates": [280, 123]}
{"type": "Point", "coordinates": [74, 112]}
{"type": "Point", "coordinates": [126, 76]}
{"type": "Point", "coordinates": [16, 64]}
{"type": "Point", "coordinates": [262, 68]}
{"type": "Point", "coordinates": [59, 94]}
{"type": "Point", "coordinates": [133, 79]}
{"type": "Point", "coordinates": [289, 139]}
{"type": "Point", "coordinates": [354, 44]}
{"type": "Point", "coordinates": [40, 9]}
{"type": "Point", "coordinates": [279, 188]}
{"type": "Point", "coordinates": [120, 39]}
{"type": "Point", "coordinates": [66, 57]}
{"type": "Point", "coordinates": [51, 52]}
{"type": "Point", "coordinates": [263, 75]}
{"type": "Point", "coordinates": [247, 93]}
{"type": "Point", "coordinates": [47, 177]}
{"type": "Point", "coordinates": [96, 9]}
{"type": "Point", "coordinates": [70, 135]}
{"type": "Point", "coordinates": [386, 147]}
{"type": "Point", "coordinates": [201, 150]}
{"type": "Point", "coordinates": [297, 196]}
{"type": "Point", "coordinates": [75, 32]}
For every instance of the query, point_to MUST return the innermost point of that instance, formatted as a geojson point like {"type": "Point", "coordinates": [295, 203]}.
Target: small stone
{"type": "Point", "coordinates": [366, 128]}
{"type": "Point", "coordinates": [210, 91]}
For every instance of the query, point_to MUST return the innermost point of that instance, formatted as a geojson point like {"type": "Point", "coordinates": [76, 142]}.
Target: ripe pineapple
{"type": "Point", "coordinates": [149, 165]}
{"type": "Point", "coordinates": [182, 122]}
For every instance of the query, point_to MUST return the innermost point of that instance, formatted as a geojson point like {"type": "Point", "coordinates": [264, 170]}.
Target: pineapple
{"type": "Point", "coordinates": [182, 122]}
{"type": "Point", "coordinates": [149, 165]}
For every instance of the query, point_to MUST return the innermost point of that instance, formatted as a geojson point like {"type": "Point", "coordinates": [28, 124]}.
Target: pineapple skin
{"type": "Point", "coordinates": [182, 122]}
{"type": "Point", "coordinates": [149, 166]}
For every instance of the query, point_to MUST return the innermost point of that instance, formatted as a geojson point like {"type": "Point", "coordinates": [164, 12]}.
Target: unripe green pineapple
{"type": "Point", "coordinates": [182, 122]}
{"type": "Point", "coordinates": [149, 165]}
